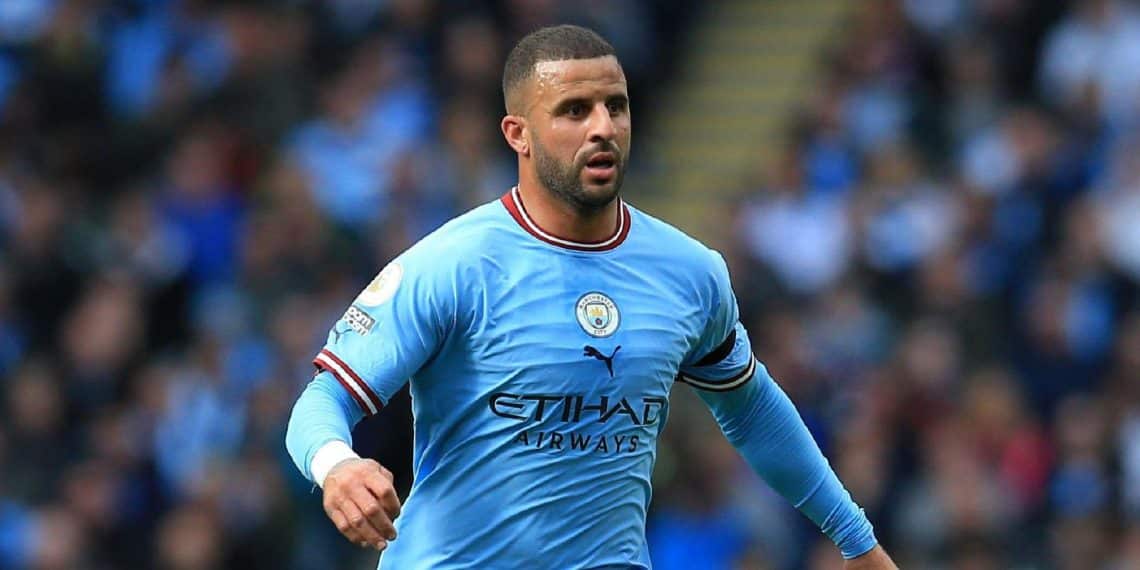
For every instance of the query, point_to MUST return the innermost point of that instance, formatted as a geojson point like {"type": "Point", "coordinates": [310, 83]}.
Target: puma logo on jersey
{"type": "Point", "coordinates": [337, 333]}
{"type": "Point", "coordinates": [609, 360]}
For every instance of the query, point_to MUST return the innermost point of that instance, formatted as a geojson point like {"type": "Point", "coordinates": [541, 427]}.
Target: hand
{"type": "Point", "coordinates": [360, 500]}
{"type": "Point", "coordinates": [874, 559]}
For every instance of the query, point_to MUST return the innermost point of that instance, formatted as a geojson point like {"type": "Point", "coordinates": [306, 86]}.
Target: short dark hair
{"type": "Point", "coordinates": [555, 43]}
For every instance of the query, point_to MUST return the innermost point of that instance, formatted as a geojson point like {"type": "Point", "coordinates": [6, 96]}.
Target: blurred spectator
{"type": "Point", "coordinates": [165, 54]}
{"type": "Point", "coordinates": [975, 93]}
{"type": "Point", "coordinates": [846, 334]}
{"type": "Point", "coordinates": [699, 525]}
{"type": "Point", "coordinates": [472, 57]}
{"type": "Point", "coordinates": [1081, 489]}
{"type": "Point", "coordinates": [904, 219]}
{"type": "Point", "coordinates": [201, 425]}
{"type": "Point", "coordinates": [830, 164]}
{"type": "Point", "coordinates": [23, 21]}
{"type": "Point", "coordinates": [35, 412]}
{"type": "Point", "coordinates": [803, 237]}
{"type": "Point", "coordinates": [882, 62]}
{"type": "Point", "coordinates": [189, 538]}
{"type": "Point", "coordinates": [1089, 57]}
{"type": "Point", "coordinates": [372, 112]}
{"type": "Point", "coordinates": [143, 244]}
{"type": "Point", "coordinates": [1006, 437]}
{"type": "Point", "coordinates": [1119, 209]}
{"type": "Point", "coordinates": [61, 541]}
{"type": "Point", "coordinates": [956, 496]}
{"type": "Point", "coordinates": [45, 276]}
{"type": "Point", "coordinates": [202, 205]}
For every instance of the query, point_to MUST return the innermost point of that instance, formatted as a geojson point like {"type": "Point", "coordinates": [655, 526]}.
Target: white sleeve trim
{"type": "Point", "coordinates": [327, 457]}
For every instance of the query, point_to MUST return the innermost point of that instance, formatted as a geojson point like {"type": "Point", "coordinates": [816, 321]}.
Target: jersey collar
{"type": "Point", "coordinates": [514, 205]}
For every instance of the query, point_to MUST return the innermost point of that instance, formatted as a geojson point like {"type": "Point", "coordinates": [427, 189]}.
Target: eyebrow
{"type": "Point", "coordinates": [562, 105]}
{"type": "Point", "coordinates": [620, 98]}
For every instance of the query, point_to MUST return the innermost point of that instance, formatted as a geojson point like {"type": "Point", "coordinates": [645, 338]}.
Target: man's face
{"type": "Point", "coordinates": [578, 118]}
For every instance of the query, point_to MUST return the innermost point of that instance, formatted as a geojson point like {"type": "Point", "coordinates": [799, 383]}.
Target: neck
{"type": "Point", "coordinates": [557, 217]}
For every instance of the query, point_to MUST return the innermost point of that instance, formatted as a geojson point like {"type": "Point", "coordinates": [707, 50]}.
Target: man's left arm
{"type": "Point", "coordinates": [760, 420]}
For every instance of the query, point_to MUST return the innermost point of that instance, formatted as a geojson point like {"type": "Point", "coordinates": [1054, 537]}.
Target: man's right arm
{"type": "Point", "coordinates": [359, 495]}
{"type": "Point", "coordinates": [324, 414]}
{"type": "Point", "coordinates": [385, 336]}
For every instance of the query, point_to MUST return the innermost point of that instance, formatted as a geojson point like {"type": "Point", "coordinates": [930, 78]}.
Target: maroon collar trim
{"type": "Point", "coordinates": [514, 206]}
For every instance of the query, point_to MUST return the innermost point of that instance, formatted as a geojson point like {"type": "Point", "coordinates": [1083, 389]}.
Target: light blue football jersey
{"type": "Point", "coordinates": [540, 373]}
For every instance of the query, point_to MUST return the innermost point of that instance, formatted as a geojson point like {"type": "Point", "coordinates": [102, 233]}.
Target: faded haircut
{"type": "Point", "coordinates": [556, 43]}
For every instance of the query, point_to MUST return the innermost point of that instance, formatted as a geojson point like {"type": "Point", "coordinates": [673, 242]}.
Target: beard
{"type": "Point", "coordinates": [564, 180]}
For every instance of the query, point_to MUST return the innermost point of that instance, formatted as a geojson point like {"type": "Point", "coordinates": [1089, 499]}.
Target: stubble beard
{"type": "Point", "coordinates": [565, 180]}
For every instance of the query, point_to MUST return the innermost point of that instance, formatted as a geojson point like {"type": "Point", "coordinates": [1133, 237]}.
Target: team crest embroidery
{"type": "Point", "coordinates": [383, 287]}
{"type": "Point", "coordinates": [598, 314]}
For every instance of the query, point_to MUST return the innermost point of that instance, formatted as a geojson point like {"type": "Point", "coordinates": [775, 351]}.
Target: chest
{"type": "Point", "coordinates": [572, 327]}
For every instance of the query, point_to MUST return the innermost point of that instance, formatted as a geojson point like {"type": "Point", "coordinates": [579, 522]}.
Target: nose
{"type": "Point", "coordinates": [601, 127]}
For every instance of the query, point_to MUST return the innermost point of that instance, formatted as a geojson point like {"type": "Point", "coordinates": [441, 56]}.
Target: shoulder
{"type": "Point", "coordinates": [454, 242]}
{"type": "Point", "coordinates": [434, 270]}
{"type": "Point", "coordinates": [683, 251]}
{"type": "Point", "coordinates": [682, 258]}
{"type": "Point", "coordinates": [451, 258]}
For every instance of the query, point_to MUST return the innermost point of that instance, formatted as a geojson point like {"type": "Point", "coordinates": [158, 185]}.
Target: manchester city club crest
{"type": "Point", "coordinates": [598, 314]}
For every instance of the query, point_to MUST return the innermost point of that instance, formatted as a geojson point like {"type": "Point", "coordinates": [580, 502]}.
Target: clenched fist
{"type": "Point", "coordinates": [362, 503]}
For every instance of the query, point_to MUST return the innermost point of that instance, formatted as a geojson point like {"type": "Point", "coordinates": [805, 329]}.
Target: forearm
{"type": "Point", "coordinates": [763, 424]}
{"type": "Point", "coordinates": [323, 413]}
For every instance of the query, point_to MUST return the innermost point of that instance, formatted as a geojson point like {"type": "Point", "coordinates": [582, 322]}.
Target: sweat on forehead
{"type": "Point", "coordinates": [556, 43]}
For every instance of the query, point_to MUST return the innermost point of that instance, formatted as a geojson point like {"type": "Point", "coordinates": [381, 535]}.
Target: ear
{"type": "Point", "coordinates": [514, 130]}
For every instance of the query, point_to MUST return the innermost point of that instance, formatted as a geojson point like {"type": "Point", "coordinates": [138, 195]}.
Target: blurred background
{"type": "Point", "coordinates": [931, 211]}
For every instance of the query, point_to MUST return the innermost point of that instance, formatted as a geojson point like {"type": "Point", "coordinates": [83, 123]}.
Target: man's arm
{"type": "Point", "coordinates": [388, 332]}
{"type": "Point", "coordinates": [323, 414]}
{"type": "Point", "coordinates": [358, 493]}
{"type": "Point", "coordinates": [763, 424]}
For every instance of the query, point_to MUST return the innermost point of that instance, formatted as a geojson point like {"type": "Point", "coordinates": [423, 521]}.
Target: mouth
{"type": "Point", "coordinates": [602, 166]}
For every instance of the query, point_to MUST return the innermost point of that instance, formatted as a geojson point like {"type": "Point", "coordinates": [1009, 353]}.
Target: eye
{"type": "Point", "coordinates": [615, 106]}
{"type": "Point", "coordinates": [576, 110]}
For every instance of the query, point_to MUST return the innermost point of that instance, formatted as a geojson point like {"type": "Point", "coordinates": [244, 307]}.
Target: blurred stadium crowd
{"type": "Point", "coordinates": [941, 270]}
